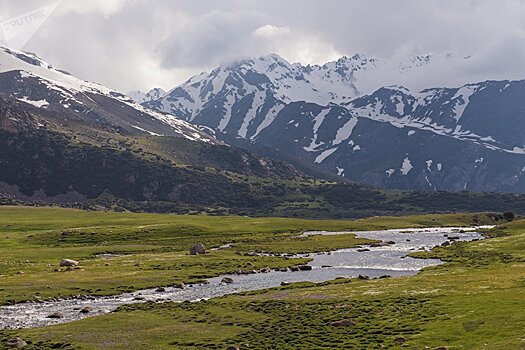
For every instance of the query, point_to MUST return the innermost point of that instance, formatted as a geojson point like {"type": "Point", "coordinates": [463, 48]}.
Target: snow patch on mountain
{"type": "Point", "coordinates": [406, 166]}
{"type": "Point", "coordinates": [39, 103]}
{"type": "Point", "coordinates": [345, 131]}
{"type": "Point", "coordinates": [268, 119]}
{"type": "Point", "coordinates": [230, 99]}
{"type": "Point", "coordinates": [462, 99]}
{"type": "Point", "coordinates": [320, 158]}
{"type": "Point", "coordinates": [318, 120]}
{"type": "Point", "coordinates": [258, 102]}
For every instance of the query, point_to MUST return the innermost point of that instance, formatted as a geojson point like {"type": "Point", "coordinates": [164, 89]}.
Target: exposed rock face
{"type": "Point", "coordinates": [197, 249]}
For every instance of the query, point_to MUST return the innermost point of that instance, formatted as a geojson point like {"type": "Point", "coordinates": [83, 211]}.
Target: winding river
{"type": "Point", "coordinates": [373, 261]}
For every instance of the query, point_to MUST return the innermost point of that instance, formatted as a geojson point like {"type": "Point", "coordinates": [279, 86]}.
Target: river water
{"type": "Point", "coordinates": [390, 259]}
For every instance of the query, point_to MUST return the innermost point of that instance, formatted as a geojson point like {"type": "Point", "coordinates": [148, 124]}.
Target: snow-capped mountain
{"type": "Point", "coordinates": [256, 89]}
{"type": "Point", "coordinates": [470, 137]}
{"type": "Point", "coordinates": [65, 99]}
{"type": "Point", "coordinates": [269, 77]}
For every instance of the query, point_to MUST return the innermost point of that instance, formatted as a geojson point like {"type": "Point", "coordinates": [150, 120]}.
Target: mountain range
{"type": "Point", "coordinates": [74, 143]}
{"type": "Point", "coordinates": [453, 139]}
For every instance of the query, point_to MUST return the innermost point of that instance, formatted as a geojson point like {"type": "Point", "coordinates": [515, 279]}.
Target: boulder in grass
{"type": "Point", "coordinates": [16, 343]}
{"type": "Point", "coordinates": [232, 347]}
{"type": "Point", "coordinates": [68, 263]}
{"type": "Point", "coordinates": [400, 340]}
{"type": "Point", "coordinates": [197, 249]}
{"type": "Point", "coordinates": [343, 323]}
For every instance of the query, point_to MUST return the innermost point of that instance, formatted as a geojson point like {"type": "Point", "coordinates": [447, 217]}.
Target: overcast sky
{"type": "Point", "coordinates": [141, 44]}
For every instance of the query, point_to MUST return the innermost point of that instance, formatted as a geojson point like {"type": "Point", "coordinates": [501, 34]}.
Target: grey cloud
{"type": "Point", "coordinates": [138, 44]}
{"type": "Point", "coordinates": [213, 37]}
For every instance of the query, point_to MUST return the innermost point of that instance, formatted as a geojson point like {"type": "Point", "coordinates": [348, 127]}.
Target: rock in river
{"type": "Point", "coordinates": [86, 310]}
{"type": "Point", "coordinates": [56, 315]}
{"type": "Point", "coordinates": [227, 280]}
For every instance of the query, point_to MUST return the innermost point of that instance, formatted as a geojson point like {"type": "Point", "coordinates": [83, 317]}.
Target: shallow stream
{"type": "Point", "coordinates": [389, 259]}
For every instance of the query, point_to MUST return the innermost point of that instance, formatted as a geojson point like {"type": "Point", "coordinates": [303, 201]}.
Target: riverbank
{"type": "Point", "coordinates": [149, 250]}
{"type": "Point", "coordinates": [384, 257]}
{"type": "Point", "coordinates": [402, 307]}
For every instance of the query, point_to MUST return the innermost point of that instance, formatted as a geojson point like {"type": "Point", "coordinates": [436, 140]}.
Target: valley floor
{"type": "Point", "coordinates": [475, 301]}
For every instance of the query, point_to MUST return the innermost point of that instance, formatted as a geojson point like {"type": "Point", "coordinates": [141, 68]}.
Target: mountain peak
{"type": "Point", "coordinates": [272, 57]}
{"type": "Point", "coordinates": [141, 97]}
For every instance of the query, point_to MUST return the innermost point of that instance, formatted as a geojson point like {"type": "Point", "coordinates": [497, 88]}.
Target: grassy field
{"type": "Point", "coordinates": [476, 301]}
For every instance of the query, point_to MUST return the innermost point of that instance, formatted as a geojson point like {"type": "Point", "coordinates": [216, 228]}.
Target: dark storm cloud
{"type": "Point", "coordinates": [130, 44]}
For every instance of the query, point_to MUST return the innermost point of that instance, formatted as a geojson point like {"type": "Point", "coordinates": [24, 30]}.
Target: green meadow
{"type": "Point", "coordinates": [474, 301]}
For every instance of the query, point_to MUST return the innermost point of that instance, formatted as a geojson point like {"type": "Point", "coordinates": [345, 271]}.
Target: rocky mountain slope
{"type": "Point", "coordinates": [466, 138]}
{"type": "Point", "coordinates": [68, 100]}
